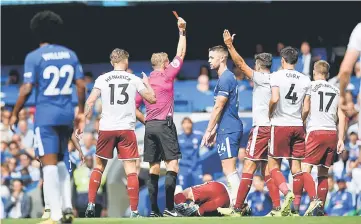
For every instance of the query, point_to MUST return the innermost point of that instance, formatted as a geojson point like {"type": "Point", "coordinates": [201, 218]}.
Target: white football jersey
{"type": "Point", "coordinates": [261, 98]}
{"type": "Point", "coordinates": [118, 92]}
{"type": "Point", "coordinates": [324, 105]}
{"type": "Point", "coordinates": [293, 87]}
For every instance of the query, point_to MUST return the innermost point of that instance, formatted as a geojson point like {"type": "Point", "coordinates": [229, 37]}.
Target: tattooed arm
{"type": "Point", "coordinates": [89, 104]}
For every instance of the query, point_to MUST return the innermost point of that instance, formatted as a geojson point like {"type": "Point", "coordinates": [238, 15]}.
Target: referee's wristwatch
{"type": "Point", "coordinates": [182, 32]}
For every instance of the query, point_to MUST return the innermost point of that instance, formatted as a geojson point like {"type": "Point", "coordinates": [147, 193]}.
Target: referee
{"type": "Point", "coordinates": [160, 139]}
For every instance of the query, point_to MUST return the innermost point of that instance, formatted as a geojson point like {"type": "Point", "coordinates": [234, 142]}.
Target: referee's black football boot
{"type": "Point", "coordinates": [90, 211]}
{"type": "Point", "coordinates": [154, 214]}
{"type": "Point", "coordinates": [172, 213]}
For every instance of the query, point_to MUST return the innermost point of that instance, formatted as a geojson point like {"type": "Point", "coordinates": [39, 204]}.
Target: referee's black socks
{"type": "Point", "coordinates": [153, 191]}
{"type": "Point", "coordinates": [170, 184]}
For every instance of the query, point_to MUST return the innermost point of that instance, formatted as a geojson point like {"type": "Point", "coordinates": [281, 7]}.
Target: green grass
{"type": "Point", "coordinates": [209, 220]}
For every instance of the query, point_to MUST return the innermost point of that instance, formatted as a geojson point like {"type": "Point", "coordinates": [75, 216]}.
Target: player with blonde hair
{"type": "Point", "coordinates": [322, 139]}
{"type": "Point", "coordinates": [117, 90]}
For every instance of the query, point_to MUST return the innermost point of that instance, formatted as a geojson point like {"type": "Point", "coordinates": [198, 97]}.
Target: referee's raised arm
{"type": "Point", "coordinates": [160, 139]}
{"type": "Point", "coordinates": [182, 43]}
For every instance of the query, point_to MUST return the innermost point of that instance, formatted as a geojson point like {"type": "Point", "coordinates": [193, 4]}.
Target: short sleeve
{"type": "Point", "coordinates": [355, 38]}
{"type": "Point", "coordinates": [98, 83]}
{"type": "Point", "coordinates": [308, 90]}
{"type": "Point", "coordinates": [79, 74]}
{"type": "Point", "coordinates": [224, 86]}
{"type": "Point", "coordinates": [174, 67]}
{"type": "Point", "coordinates": [260, 78]}
{"type": "Point", "coordinates": [274, 80]}
{"type": "Point", "coordinates": [29, 69]}
{"type": "Point", "coordinates": [139, 85]}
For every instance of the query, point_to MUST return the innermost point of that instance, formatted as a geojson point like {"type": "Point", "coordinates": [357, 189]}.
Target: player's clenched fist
{"type": "Point", "coordinates": [181, 24]}
{"type": "Point", "coordinates": [227, 37]}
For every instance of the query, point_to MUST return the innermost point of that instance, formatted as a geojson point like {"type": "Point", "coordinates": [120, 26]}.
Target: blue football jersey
{"type": "Point", "coordinates": [229, 121]}
{"type": "Point", "coordinates": [52, 70]}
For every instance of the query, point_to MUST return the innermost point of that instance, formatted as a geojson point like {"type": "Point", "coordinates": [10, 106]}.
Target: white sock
{"type": "Point", "coordinates": [234, 181]}
{"type": "Point", "coordinates": [52, 191]}
{"type": "Point", "coordinates": [65, 185]}
{"type": "Point", "coordinates": [46, 201]}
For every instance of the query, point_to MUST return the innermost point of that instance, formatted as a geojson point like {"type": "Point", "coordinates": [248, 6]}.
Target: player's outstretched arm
{"type": "Point", "coordinates": [237, 59]}
{"type": "Point", "coordinates": [182, 43]}
{"type": "Point", "coordinates": [148, 93]}
{"type": "Point", "coordinates": [275, 97]}
{"type": "Point", "coordinates": [24, 93]}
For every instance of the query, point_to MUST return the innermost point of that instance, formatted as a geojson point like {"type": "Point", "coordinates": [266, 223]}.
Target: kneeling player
{"type": "Point", "coordinates": [205, 199]}
{"type": "Point", "coordinates": [321, 140]}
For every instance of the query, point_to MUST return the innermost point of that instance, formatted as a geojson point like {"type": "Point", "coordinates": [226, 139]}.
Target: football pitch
{"type": "Point", "coordinates": [208, 220]}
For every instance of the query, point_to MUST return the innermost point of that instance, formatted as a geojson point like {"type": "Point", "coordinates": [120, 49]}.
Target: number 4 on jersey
{"type": "Point", "coordinates": [291, 96]}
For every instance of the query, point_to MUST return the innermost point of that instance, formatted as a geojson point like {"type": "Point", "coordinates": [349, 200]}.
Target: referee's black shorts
{"type": "Point", "coordinates": [160, 142]}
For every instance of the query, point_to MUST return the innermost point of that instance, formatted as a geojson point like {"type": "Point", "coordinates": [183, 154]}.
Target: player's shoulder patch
{"type": "Point", "coordinates": [175, 63]}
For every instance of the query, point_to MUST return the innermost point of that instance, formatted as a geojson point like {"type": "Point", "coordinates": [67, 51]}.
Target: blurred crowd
{"type": "Point", "coordinates": [21, 171]}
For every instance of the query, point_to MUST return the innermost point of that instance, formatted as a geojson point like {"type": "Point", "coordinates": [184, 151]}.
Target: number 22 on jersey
{"type": "Point", "coordinates": [56, 74]}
